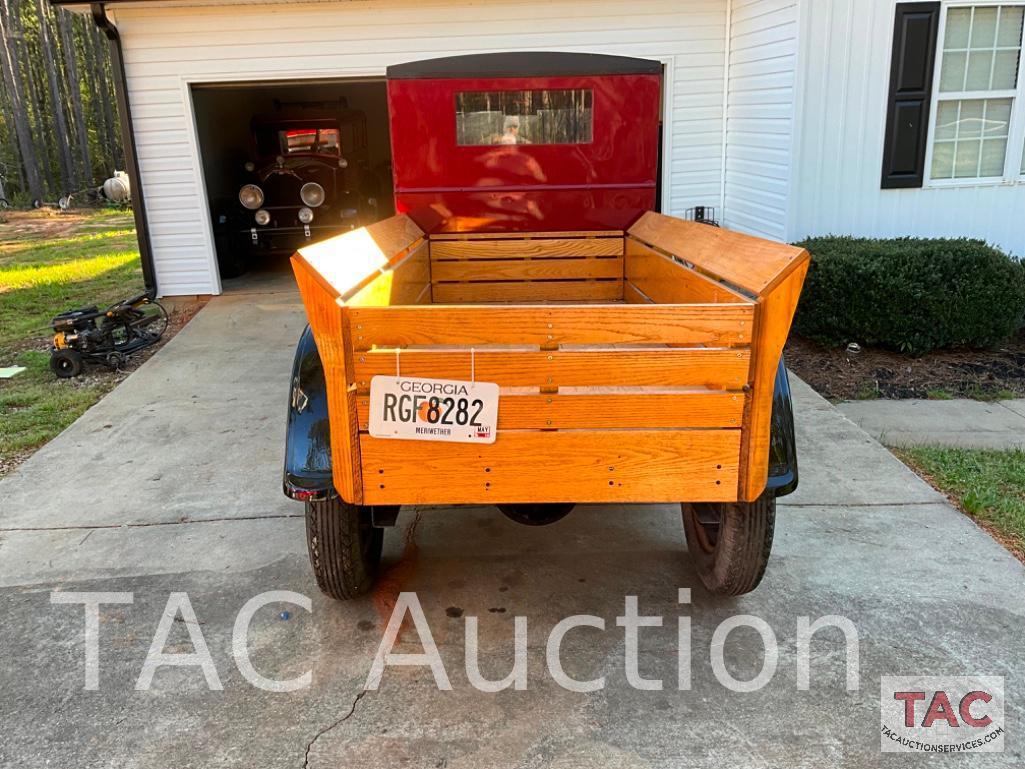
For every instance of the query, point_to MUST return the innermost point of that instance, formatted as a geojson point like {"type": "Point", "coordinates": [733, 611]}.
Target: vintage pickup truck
{"type": "Point", "coordinates": [528, 332]}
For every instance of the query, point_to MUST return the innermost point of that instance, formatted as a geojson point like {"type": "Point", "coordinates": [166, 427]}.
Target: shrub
{"type": "Point", "coordinates": [912, 295]}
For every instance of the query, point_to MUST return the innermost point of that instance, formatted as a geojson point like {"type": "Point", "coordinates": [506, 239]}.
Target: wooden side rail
{"type": "Point", "coordinates": [772, 274]}
{"type": "Point", "coordinates": [724, 325]}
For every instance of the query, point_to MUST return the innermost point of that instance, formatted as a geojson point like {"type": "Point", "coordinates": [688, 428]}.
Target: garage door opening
{"type": "Point", "coordinates": [286, 164]}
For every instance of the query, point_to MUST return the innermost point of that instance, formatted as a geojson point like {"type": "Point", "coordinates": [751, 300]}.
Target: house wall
{"type": "Point", "coordinates": [167, 49]}
{"type": "Point", "coordinates": [760, 115]}
{"type": "Point", "coordinates": [845, 71]}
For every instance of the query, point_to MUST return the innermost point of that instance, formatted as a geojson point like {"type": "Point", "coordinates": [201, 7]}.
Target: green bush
{"type": "Point", "coordinates": [912, 295]}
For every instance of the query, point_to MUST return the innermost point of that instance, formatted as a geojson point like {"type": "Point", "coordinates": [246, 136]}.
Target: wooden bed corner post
{"type": "Point", "coordinates": [329, 322]}
{"type": "Point", "coordinates": [774, 312]}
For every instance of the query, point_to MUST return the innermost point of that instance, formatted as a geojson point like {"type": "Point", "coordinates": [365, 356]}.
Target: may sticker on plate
{"type": "Point", "coordinates": [417, 409]}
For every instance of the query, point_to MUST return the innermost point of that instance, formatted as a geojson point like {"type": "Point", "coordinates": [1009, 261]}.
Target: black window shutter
{"type": "Point", "coordinates": [907, 115]}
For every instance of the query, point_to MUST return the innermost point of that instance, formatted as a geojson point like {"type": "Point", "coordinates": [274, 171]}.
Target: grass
{"type": "Point", "coordinates": [988, 485]}
{"type": "Point", "coordinates": [95, 260]}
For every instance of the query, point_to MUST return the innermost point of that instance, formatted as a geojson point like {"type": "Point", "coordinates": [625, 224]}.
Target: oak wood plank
{"type": "Point", "coordinates": [327, 321]}
{"type": "Point", "coordinates": [609, 410]}
{"type": "Point", "coordinates": [717, 369]}
{"type": "Point", "coordinates": [709, 324]}
{"type": "Point", "coordinates": [344, 263]}
{"type": "Point", "coordinates": [752, 263]}
{"type": "Point", "coordinates": [669, 282]}
{"type": "Point", "coordinates": [562, 466]}
{"type": "Point", "coordinates": [401, 282]}
{"type": "Point", "coordinates": [773, 316]}
{"type": "Point", "coordinates": [526, 235]}
{"type": "Point", "coordinates": [527, 269]}
{"type": "Point", "coordinates": [540, 248]}
{"type": "Point", "coordinates": [521, 292]}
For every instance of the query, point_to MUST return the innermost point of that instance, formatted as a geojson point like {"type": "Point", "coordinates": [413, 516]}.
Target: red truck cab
{"type": "Point", "coordinates": [525, 142]}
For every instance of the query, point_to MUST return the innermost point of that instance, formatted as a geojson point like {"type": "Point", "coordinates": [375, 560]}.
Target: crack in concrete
{"type": "Point", "coordinates": [335, 724]}
{"type": "Point", "coordinates": [94, 527]}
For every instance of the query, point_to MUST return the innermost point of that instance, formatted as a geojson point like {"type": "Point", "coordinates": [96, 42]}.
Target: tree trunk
{"type": "Point", "coordinates": [75, 91]}
{"type": "Point", "coordinates": [101, 88]}
{"type": "Point", "coordinates": [39, 112]}
{"type": "Point", "coordinates": [12, 82]}
{"type": "Point", "coordinates": [63, 136]}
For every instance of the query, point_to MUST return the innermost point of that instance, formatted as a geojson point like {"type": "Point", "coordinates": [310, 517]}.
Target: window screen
{"type": "Point", "coordinates": [524, 117]}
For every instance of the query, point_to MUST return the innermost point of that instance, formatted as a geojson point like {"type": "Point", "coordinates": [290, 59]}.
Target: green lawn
{"type": "Point", "coordinates": [49, 264]}
{"type": "Point", "coordinates": [988, 485]}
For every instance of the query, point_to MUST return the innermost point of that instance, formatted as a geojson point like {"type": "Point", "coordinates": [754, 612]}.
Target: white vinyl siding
{"type": "Point", "coordinates": [845, 69]}
{"type": "Point", "coordinates": [760, 116]}
{"type": "Point", "coordinates": [169, 48]}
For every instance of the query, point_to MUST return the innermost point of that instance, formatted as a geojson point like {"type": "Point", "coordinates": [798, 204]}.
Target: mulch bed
{"type": "Point", "coordinates": [875, 373]}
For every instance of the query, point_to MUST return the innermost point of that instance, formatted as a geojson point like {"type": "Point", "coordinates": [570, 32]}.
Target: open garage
{"type": "Point", "coordinates": [195, 75]}
{"type": "Point", "coordinates": [276, 137]}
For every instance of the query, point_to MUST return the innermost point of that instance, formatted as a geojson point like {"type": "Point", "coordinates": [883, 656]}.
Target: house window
{"type": "Point", "coordinates": [979, 104]}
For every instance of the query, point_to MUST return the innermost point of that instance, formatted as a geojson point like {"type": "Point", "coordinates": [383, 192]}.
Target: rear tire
{"type": "Point", "coordinates": [345, 549]}
{"type": "Point", "coordinates": [730, 542]}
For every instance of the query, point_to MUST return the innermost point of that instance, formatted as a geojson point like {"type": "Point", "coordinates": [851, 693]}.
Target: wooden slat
{"type": "Point", "coordinates": [518, 248]}
{"type": "Point", "coordinates": [344, 263]}
{"type": "Point", "coordinates": [633, 295]}
{"type": "Point", "coordinates": [609, 410]}
{"type": "Point", "coordinates": [721, 369]}
{"type": "Point", "coordinates": [401, 282]}
{"type": "Point", "coordinates": [711, 324]}
{"type": "Point", "coordinates": [669, 282]}
{"type": "Point", "coordinates": [751, 263]}
{"type": "Point", "coordinates": [564, 466]}
{"type": "Point", "coordinates": [538, 291]}
{"type": "Point", "coordinates": [773, 316]}
{"type": "Point", "coordinates": [526, 235]}
{"type": "Point", "coordinates": [330, 330]}
{"type": "Point", "coordinates": [527, 269]}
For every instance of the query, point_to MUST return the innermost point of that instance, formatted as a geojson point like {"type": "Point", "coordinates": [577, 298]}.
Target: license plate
{"type": "Point", "coordinates": [417, 409]}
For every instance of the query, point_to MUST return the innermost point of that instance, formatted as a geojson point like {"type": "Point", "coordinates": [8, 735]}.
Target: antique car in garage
{"type": "Point", "coordinates": [307, 178]}
{"type": "Point", "coordinates": [527, 332]}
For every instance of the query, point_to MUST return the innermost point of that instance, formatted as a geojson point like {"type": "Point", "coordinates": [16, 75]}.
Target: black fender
{"type": "Point", "coordinates": [782, 444]}
{"type": "Point", "coordinates": [308, 433]}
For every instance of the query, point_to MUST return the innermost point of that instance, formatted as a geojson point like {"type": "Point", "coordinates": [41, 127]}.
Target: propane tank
{"type": "Point", "coordinates": [117, 188]}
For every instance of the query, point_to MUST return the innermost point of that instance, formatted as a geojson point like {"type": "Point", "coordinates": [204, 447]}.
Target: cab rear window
{"type": "Point", "coordinates": [559, 116]}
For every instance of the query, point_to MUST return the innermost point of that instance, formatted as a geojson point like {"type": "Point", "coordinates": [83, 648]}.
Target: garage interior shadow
{"type": "Point", "coordinates": [225, 114]}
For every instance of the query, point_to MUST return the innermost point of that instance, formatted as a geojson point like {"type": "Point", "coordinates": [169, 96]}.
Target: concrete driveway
{"type": "Point", "coordinates": [171, 484]}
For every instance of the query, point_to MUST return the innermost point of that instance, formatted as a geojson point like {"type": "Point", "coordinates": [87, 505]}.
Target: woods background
{"type": "Point", "coordinates": [59, 129]}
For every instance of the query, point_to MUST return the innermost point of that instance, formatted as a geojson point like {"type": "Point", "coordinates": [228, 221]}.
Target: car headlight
{"type": "Point", "coordinates": [251, 197]}
{"type": "Point", "coordinates": [262, 217]}
{"type": "Point", "coordinates": [305, 215]}
{"type": "Point", "coordinates": [312, 194]}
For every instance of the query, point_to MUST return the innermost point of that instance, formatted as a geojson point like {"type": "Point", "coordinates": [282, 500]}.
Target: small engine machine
{"type": "Point", "coordinates": [105, 336]}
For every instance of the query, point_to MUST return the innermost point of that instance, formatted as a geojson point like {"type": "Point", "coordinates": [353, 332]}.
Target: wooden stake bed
{"type": "Point", "coordinates": [634, 367]}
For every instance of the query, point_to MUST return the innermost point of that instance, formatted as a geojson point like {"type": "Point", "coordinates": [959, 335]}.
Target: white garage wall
{"type": "Point", "coordinates": [845, 50]}
{"type": "Point", "coordinates": [760, 116]}
{"type": "Point", "coordinates": [166, 49]}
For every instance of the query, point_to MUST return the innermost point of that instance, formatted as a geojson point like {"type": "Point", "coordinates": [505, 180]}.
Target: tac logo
{"type": "Point", "coordinates": [942, 714]}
